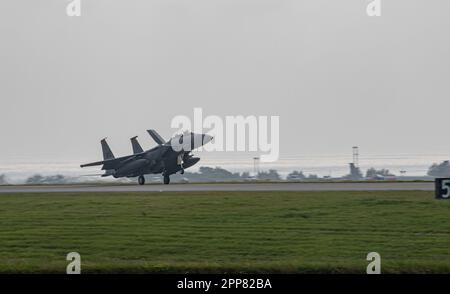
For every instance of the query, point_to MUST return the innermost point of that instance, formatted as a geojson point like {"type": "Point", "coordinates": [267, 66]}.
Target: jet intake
{"type": "Point", "coordinates": [188, 162]}
{"type": "Point", "coordinates": [131, 167]}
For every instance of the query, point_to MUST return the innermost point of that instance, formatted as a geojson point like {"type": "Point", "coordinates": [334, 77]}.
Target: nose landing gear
{"type": "Point", "coordinates": [166, 179]}
{"type": "Point", "coordinates": [180, 161]}
{"type": "Point", "coordinates": [141, 180]}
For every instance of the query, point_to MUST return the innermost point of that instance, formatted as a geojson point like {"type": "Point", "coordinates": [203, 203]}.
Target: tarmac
{"type": "Point", "coordinates": [347, 186]}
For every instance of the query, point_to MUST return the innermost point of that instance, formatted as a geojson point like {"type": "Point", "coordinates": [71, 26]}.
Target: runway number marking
{"type": "Point", "coordinates": [446, 187]}
{"type": "Point", "coordinates": [442, 188]}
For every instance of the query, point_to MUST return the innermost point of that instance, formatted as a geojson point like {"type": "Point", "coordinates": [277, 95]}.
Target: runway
{"type": "Point", "coordinates": [378, 186]}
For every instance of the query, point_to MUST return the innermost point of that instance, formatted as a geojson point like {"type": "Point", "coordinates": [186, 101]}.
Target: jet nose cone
{"type": "Point", "coordinates": [207, 139]}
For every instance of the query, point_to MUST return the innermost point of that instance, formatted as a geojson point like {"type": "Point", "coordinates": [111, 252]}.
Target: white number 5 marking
{"type": "Point", "coordinates": [446, 187]}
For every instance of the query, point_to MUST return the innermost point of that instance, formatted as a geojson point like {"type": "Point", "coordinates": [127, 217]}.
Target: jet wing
{"type": "Point", "coordinates": [110, 163]}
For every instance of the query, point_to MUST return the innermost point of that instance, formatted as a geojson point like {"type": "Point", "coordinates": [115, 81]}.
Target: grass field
{"type": "Point", "coordinates": [223, 232]}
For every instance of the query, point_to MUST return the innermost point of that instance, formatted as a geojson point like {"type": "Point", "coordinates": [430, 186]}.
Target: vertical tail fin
{"type": "Point", "coordinates": [136, 146]}
{"type": "Point", "coordinates": [107, 153]}
{"type": "Point", "coordinates": [158, 139]}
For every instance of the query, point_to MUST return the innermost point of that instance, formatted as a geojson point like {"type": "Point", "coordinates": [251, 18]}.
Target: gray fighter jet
{"type": "Point", "coordinates": [168, 158]}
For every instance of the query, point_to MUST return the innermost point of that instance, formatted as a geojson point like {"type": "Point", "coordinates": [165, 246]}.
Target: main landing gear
{"type": "Point", "coordinates": [141, 180]}
{"type": "Point", "coordinates": [166, 179]}
{"type": "Point", "coordinates": [180, 162]}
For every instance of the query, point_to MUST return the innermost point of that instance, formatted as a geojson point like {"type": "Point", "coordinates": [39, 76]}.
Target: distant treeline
{"type": "Point", "coordinates": [441, 170]}
{"type": "Point", "coordinates": [218, 174]}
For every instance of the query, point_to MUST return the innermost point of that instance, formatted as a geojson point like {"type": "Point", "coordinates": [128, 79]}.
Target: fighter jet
{"type": "Point", "coordinates": [168, 158]}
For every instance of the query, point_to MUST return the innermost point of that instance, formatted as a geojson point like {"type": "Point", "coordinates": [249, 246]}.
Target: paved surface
{"type": "Point", "coordinates": [397, 186]}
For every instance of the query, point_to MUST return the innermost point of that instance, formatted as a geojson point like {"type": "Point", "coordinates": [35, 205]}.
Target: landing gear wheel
{"type": "Point", "coordinates": [141, 180]}
{"type": "Point", "coordinates": [166, 179]}
{"type": "Point", "coordinates": [182, 171]}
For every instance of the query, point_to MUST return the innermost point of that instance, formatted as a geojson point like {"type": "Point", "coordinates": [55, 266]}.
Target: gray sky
{"type": "Point", "coordinates": [335, 76]}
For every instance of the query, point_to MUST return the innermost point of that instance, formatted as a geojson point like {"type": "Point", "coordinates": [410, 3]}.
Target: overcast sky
{"type": "Point", "coordinates": [335, 76]}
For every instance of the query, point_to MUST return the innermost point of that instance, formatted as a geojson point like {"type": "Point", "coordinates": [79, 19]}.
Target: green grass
{"type": "Point", "coordinates": [222, 232]}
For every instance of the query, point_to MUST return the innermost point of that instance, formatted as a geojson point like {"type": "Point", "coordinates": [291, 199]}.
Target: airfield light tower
{"type": "Point", "coordinates": [256, 166]}
{"type": "Point", "coordinates": [356, 156]}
